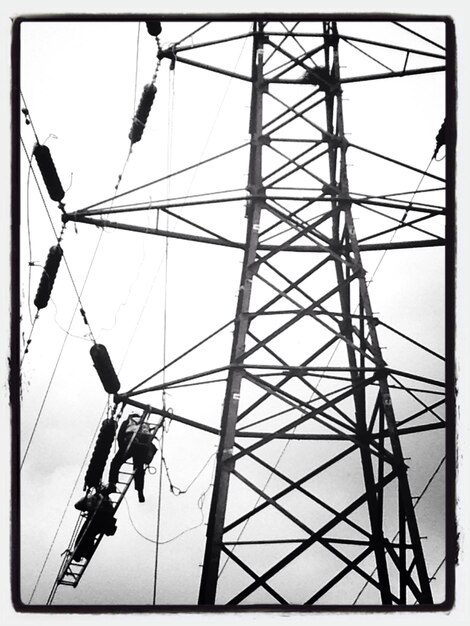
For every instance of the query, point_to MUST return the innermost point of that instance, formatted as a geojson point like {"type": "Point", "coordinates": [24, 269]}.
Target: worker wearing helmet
{"type": "Point", "coordinates": [134, 440]}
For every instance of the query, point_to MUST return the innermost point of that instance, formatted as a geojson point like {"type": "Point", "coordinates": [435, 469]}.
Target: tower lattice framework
{"type": "Point", "coordinates": [311, 484]}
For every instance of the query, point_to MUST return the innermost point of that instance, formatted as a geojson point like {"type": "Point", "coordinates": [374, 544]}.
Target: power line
{"type": "Point", "coordinates": [91, 442]}
{"type": "Point", "coordinates": [59, 239]}
{"type": "Point", "coordinates": [159, 508]}
{"type": "Point", "coordinates": [171, 79]}
{"type": "Point", "coordinates": [28, 226]}
{"type": "Point", "coordinates": [28, 118]}
{"type": "Point", "coordinates": [59, 357]}
{"type": "Point", "coordinates": [29, 339]}
{"type": "Point", "coordinates": [402, 221]}
{"type": "Point", "coordinates": [268, 480]}
{"type": "Point", "coordinates": [65, 510]}
{"type": "Point", "coordinates": [436, 571]}
{"type": "Point", "coordinates": [176, 490]}
{"type": "Point", "coordinates": [136, 64]}
{"type": "Point", "coordinates": [195, 172]}
{"type": "Point", "coordinates": [200, 504]}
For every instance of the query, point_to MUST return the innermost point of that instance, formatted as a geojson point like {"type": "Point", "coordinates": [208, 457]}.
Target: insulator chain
{"type": "Point", "coordinates": [148, 95]}
{"type": "Point", "coordinates": [49, 174]}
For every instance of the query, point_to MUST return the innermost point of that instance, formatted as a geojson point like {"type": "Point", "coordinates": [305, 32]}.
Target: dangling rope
{"type": "Point", "coordinates": [200, 504]}
{"type": "Point", "coordinates": [136, 65]}
{"type": "Point", "coordinates": [171, 79]}
{"type": "Point", "coordinates": [159, 506]}
{"type": "Point", "coordinates": [165, 311]}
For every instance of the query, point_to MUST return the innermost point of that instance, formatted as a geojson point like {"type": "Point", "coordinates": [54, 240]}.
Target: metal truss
{"type": "Point", "coordinates": [306, 367]}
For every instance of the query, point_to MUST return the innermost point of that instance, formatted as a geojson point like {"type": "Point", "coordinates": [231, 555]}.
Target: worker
{"type": "Point", "coordinates": [99, 521]}
{"type": "Point", "coordinates": [134, 440]}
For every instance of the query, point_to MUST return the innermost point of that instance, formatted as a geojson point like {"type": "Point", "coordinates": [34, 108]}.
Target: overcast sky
{"type": "Point", "coordinates": [82, 105]}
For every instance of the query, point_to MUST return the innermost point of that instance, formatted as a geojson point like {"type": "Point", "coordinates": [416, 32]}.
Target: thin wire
{"type": "Point", "coordinates": [30, 169]}
{"type": "Point", "coordinates": [171, 88]}
{"type": "Point", "coordinates": [29, 339]}
{"type": "Point", "coordinates": [47, 392]}
{"type": "Point", "coordinates": [430, 480]}
{"type": "Point", "coordinates": [191, 34]}
{"type": "Point", "coordinates": [39, 188]}
{"type": "Point", "coordinates": [183, 491]}
{"type": "Point", "coordinates": [146, 206]}
{"type": "Point", "coordinates": [200, 505]}
{"type": "Point", "coordinates": [51, 546]}
{"type": "Point", "coordinates": [63, 515]}
{"type": "Point", "coordinates": [60, 355]}
{"type": "Point", "coordinates": [136, 65]}
{"type": "Point", "coordinates": [183, 532]}
{"type": "Point", "coordinates": [136, 326]}
{"type": "Point", "coordinates": [165, 312]}
{"type": "Point", "coordinates": [94, 436]}
{"type": "Point", "coordinates": [415, 504]}
{"type": "Point", "coordinates": [29, 116]}
{"type": "Point", "coordinates": [58, 237]}
{"type": "Point", "coordinates": [256, 503]}
{"type": "Point", "coordinates": [402, 221]}
{"type": "Point", "coordinates": [159, 506]}
{"type": "Point", "coordinates": [171, 108]}
{"type": "Point", "coordinates": [65, 339]}
{"type": "Point", "coordinates": [28, 180]}
{"type": "Point", "coordinates": [331, 357]}
{"type": "Point", "coordinates": [83, 338]}
{"type": "Point", "coordinates": [196, 171]}
{"type": "Point", "coordinates": [435, 573]}
{"type": "Point", "coordinates": [163, 178]}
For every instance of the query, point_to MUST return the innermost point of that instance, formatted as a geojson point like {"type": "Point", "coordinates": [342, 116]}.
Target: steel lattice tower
{"type": "Point", "coordinates": [308, 289]}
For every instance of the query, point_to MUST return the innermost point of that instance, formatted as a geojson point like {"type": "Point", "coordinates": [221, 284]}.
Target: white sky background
{"type": "Point", "coordinates": [73, 125]}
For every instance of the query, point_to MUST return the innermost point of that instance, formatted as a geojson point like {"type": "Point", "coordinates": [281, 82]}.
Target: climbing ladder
{"type": "Point", "coordinates": [71, 571]}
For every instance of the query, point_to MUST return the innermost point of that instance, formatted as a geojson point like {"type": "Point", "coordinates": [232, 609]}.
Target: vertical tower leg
{"type": "Point", "coordinates": [379, 464]}
{"type": "Point", "coordinates": [224, 466]}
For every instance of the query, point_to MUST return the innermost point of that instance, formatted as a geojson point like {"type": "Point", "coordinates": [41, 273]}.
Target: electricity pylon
{"type": "Point", "coordinates": [306, 368]}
